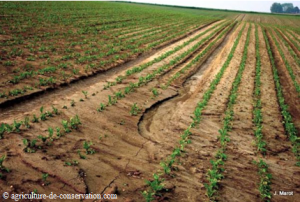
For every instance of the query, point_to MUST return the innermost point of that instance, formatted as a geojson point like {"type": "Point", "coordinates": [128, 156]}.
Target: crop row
{"type": "Point", "coordinates": [293, 35]}
{"type": "Point", "coordinates": [16, 125]}
{"type": "Point", "coordinates": [150, 76]}
{"type": "Point", "coordinates": [198, 57]}
{"type": "Point", "coordinates": [288, 121]}
{"type": "Point", "coordinates": [291, 51]}
{"type": "Point", "coordinates": [53, 69]}
{"type": "Point", "coordinates": [291, 39]}
{"type": "Point", "coordinates": [158, 59]}
{"type": "Point", "coordinates": [215, 174]}
{"type": "Point", "coordinates": [265, 176]}
{"type": "Point", "coordinates": [257, 111]}
{"type": "Point", "coordinates": [156, 185]}
{"type": "Point", "coordinates": [288, 67]}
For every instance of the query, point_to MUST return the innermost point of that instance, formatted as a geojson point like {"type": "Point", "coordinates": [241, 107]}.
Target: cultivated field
{"type": "Point", "coordinates": [150, 103]}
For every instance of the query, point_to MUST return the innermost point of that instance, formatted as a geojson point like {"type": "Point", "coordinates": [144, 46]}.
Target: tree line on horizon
{"type": "Point", "coordinates": [284, 8]}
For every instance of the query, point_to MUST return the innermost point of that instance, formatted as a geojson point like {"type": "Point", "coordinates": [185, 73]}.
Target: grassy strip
{"type": "Point", "coordinates": [288, 121]}
{"type": "Point", "coordinates": [158, 59]}
{"type": "Point", "coordinates": [156, 185]}
{"type": "Point", "coordinates": [257, 114]}
{"type": "Point", "coordinates": [288, 67]}
{"type": "Point", "coordinates": [214, 175]}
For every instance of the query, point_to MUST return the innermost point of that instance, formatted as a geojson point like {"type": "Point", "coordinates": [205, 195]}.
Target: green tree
{"type": "Point", "coordinates": [276, 8]}
{"type": "Point", "coordinates": [287, 7]}
{"type": "Point", "coordinates": [296, 9]}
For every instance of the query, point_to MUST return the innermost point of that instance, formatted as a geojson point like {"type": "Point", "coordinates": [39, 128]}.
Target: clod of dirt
{"type": "Point", "coordinates": [169, 186]}
{"type": "Point", "coordinates": [136, 173]}
{"type": "Point", "coordinates": [113, 189]}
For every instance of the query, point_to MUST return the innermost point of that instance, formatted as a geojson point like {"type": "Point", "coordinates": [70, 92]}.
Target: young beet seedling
{"type": "Point", "coordinates": [134, 110]}
{"type": "Point", "coordinates": [26, 122]}
{"type": "Point", "coordinates": [2, 130]}
{"type": "Point", "coordinates": [66, 126]}
{"type": "Point", "coordinates": [155, 92]}
{"type": "Point", "coordinates": [55, 110]}
{"type": "Point", "coordinates": [87, 147]}
{"type": "Point", "coordinates": [80, 155]}
{"type": "Point", "coordinates": [44, 178]}
{"type": "Point", "coordinates": [29, 145]}
{"type": "Point", "coordinates": [35, 119]}
{"type": "Point", "coordinates": [43, 116]}
{"type": "Point", "coordinates": [16, 126]}
{"type": "Point", "coordinates": [75, 122]}
{"type": "Point", "coordinates": [101, 108]}
{"type": "Point", "coordinates": [2, 167]}
{"type": "Point", "coordinates": [85, 94]}
{"type": "Point", "coordinates": [72, 103]}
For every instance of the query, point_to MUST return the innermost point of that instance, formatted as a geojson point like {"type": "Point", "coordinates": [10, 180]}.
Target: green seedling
{"type": "Point", "coordinates": [26, 122]}
{"type": "Point", "coordinates": [44, 178]}
{"type": "Point", "coordinates": [75, 122]}
{"type": "Point", "coordinates": [43, 138]}
{"type": "Point", "coordinates": [66, 126]}
{"type": "Point", "coordinates": [48, 114]}
{"type": "Point", "coordinates": [2, 167]}
{"type": "Point", "coordinates": [8, 128]}
{"type": "Point", "coordinates": [81, 155]}
{"type": "Point", "coordinates": [155, 92]}
{"type": "Point", "coordinates": [35, 119]}
{"type": "Point", "coordinates": [101, 108]}
{"type": "Point", "coordinates": [2, 130]}
{"type": "Point", "coordinates": [134, 110]}
{"type": "Point", "coordinates": [85, 94]}
{"type": "Point", "coordinates": [43, 116]}
{"type": "Point", "coordinates": [72, 103]}
{"type": "Point", "coordinates": [55, 110]}
{"type": "Point", "coordinates": [16, 126]}
{"type": "Point", "coordinates": [87, 147]}
{"type": "Point", "coordinates": [111, 101]}
{"type": "Point", "coordinates": [29, 145]}
{"type": "Point", "coordinates": [58, 132]}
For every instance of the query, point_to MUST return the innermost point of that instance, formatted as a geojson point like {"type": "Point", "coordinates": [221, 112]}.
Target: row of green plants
{"type": "Point", "coordinates": [199, 56]}
{"type": "Point", "coordinates": [156, 185]}
{"type": "Point", "coordinates": [265, 177]}
{"type": "Point", "coordinates": [16, 125]}
{"type": "Point", "coordinates": [160, 58]}
{"type": "Point", "coordinates": [257, 110]}
{"type": "Point", "coordinates": [288, 67]}
{"type": "Point", "coordinates": [293, 35]}
{"type": "Point", "coordinates": [45, 81]}
{"type": "Point", "coordinates": [289, 126]}
{"type": "Point", "coordinates": [291, 39]}
{"type": "Point", "coordinates": [215, 174]}
{"type": "Point", "coordinates": [291, 51]}
{"type": "Point", "coordinates": [3, 169]}
{"type": "Point", "coordinates": [265, 180]}
{"type": "Point", "coordinates": [150, 76]}
{"type": "Point", "coordinates": [31, 145]}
